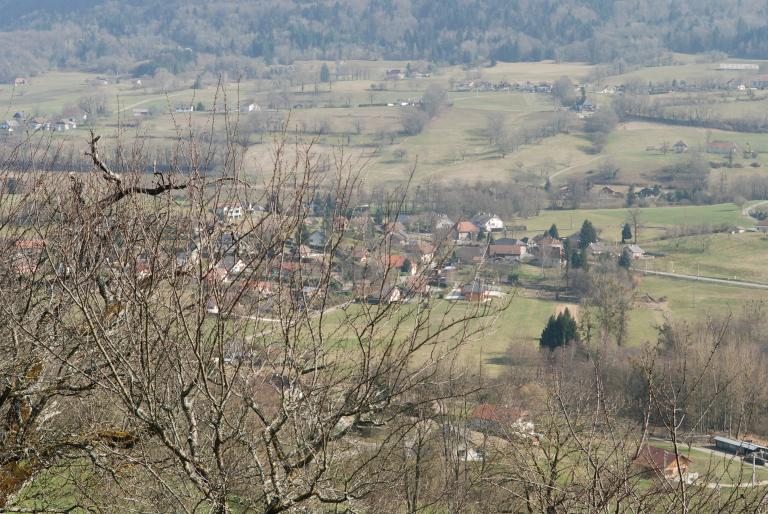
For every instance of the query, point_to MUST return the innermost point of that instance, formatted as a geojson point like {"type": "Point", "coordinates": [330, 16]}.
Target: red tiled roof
{"type": "Point", "coordinates": [659, 459]}
{"type": "Point", "coordinates": [467, 226]}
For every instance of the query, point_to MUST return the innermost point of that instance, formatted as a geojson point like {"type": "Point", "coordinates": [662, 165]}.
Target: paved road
{"type": "Point", "coordinates": [721, 281]}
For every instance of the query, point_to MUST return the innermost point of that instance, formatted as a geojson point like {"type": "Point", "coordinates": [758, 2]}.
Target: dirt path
{"type": "Point", "coordinates": [747, 210]}
{"type": "Point", "coordinates": [569, 168]}
{"type": "Point", "coordinates": [147, 100]}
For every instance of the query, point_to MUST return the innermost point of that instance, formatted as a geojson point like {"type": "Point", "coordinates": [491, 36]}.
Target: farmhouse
{"type": "Point", "coordinates": [507, 247]}
{"type": "Point", "coordinates": [443, 222]}
{"type": "Point", "coordinates": [469, 254]}
{"type": "Point", "coordinates": [476, 291]}
{"type": "Point", "coordinates": [659, 462]}
{"type": "Point", "coordinates": [634, 251]}
{"type": "Point", "coordinates": [488, 222]}
{"type": "Point", "coordinates": [608, 193]}
{"type": "Point", "coordinates": [499, 421]}
{"type": "Point", "coordinates": [680, 147]}
{"type": "Point", "coordinates": [466, 231]}
{"type": "Point", "coordinates": [598, 248]}
{"type": "Point", "coordinates": [230, 211]}
{"type": "Point", "coordinates": [316, 240]}
{"type": "Point", "coordinates": [762, 225]}
{"type": "Point", "coordinates": [549, 251]}
{"type": "Point", "coordinates": [20, 81]}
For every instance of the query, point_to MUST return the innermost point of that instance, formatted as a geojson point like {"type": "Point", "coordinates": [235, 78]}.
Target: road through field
{"type": "Point", "coordinates": [569, 168]}
{"type": "Point", "coordinates": [722, 281]}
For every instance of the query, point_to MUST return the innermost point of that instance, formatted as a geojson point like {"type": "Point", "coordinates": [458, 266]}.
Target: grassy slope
{"type": "Point", "coordinates": [654, 221]}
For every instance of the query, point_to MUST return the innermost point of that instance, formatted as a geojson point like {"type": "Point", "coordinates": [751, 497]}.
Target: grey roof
{"type": "Point", "coordinates": [750, 447]}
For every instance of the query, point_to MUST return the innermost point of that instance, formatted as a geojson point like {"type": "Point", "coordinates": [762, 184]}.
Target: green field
{"type": "Point", "coordinates": [654, 222]}
{"type": "Point", "coordinates": [729, 256]}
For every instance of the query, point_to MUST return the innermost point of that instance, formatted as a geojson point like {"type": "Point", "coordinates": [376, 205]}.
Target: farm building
{"type": "Point", "coordinates": [736, 446]}
{"type": "Point", "coordinates": [662, 463]}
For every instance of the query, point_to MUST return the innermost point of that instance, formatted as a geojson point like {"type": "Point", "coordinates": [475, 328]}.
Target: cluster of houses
{"type": "Point", "coordinates": [19, 122]}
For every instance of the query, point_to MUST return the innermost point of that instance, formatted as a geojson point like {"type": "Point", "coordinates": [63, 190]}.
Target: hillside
{"type": "Point", "coordinates": [113, 36]}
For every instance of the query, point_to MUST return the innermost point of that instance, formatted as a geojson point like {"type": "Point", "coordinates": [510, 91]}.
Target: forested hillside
{"type": "Point", "coordinates": [113, 35]}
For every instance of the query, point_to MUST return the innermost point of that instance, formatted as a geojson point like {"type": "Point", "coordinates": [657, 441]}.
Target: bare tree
{"type": "Point", "coordinates": [166, 349]}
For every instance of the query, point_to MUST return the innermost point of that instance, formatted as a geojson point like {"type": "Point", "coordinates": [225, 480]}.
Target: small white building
{"type": "Point", "coordinates": [230, 211]}
{"type": "Point", "coordinates": [488, 222]}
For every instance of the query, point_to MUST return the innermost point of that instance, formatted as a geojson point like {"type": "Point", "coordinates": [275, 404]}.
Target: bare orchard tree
{"type": "Point", "coordinates": [177, 342]}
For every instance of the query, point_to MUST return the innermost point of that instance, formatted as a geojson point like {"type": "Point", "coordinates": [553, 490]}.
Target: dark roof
{"type": "Point", "coordinates": [744, 445]}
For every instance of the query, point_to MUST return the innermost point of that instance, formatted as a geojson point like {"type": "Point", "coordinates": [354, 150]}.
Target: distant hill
{"type": "Point", "coordinates": [109, 35]}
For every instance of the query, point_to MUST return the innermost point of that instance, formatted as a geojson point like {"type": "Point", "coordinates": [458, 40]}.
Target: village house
{"type": "Point", "coordinates": [375, 295]}
{"type": "Point", "coordinates": [9, 126]}
{"type": "Point", "coordinates": [680, 147]}
{"type": "Point", "coordinates": [759, 82]}
{"type": "Point", "coordinates": [316, 240]}
{"type": "Point", "coordinates": [20, 81]}
{"type": "Point", "coordinates": [608, 193]}
{"type": "Point", "coordinates": [468, 255]}
{"type": "Point", "coordinates": [598, 248]}
{"type": "Point", "coordinates": [500, 421]}
{"type": "Point", "coordinates": [660, 463]}
{"type": "Point", "coordinates": [507, 247]}
{"type": "Point", "coordinates": [250, 107]}
{"type": "Point", "coordinates": [477, 291]}
{"type": "Point", "coordinates": [634, 251]}
{"type": "Point", "coordinates": [443, 222]}
{"type": "Point", "coordinates": [395, 74]}
{"type": "Point", "coordinates": [421, 251]}
{"type": "Point", "coordinates": [64, 125]}
{"type": "Point", "coordinates": [230, 211]}
{"type": "Point", "coordinates": [548, 251]}
{"type": "Point", "coordinates": [488, 222]}
{"type": "Point", "coordinates": [466, 231]}
{"type": "Point", "coordinates": [762, 225]}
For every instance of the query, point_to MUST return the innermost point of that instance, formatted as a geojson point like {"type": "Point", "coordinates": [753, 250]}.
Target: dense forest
{"type": "Point", "coordinates": [110, 35]}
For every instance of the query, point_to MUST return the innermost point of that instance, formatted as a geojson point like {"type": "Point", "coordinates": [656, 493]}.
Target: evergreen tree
{"type": "Point", "coordinates": [625, 261]}
{"type": "Point", "coordinates": [200, 107]}
{"type": "Point", "coordinates": [559, 331]}
{"type": "Point", "coordinates": [577, 260]}
{"type": "Point", "coordinates": [587, 234]}
{"type": "Point", "coordinates": [406, 267]}
{"type": "Point", "coordinates": [631, 196]}
{"type": "Point", "coordinates": [553, 232]}
{"type": "Point", "coordinates": [626, 233]}
{"type": "Point", "coordinates": [325, 73]}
